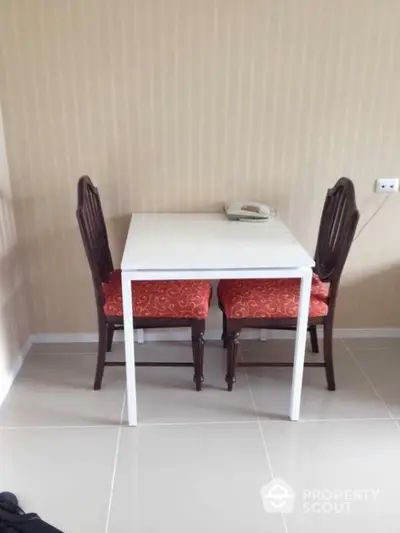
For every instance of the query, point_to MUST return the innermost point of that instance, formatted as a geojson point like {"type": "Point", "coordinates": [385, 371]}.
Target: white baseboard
{"type": "Point", "coordinates": [7, 380]}
{"type": "Point", "coordinates": [184, 335]}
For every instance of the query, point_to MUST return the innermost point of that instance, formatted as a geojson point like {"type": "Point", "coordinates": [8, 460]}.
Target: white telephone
{"type": "Point", "coordinates": [248, 211]}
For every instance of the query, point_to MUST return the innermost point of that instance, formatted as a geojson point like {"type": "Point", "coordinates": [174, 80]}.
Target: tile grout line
{"type": "Point", "coordinates": [113, 476]}
{"type": "Point", "coordinates": [201, 423]}
{"type": "Point", "coordinates": [204, 423]}
{"type": "Point", "coordinates": [264, 443]}
{"type": "Point", "coordinates": [44, 428]}
{"type": "Point", "coordinates": [260, 427]}
{"type": "Point", "coordinates": [376, 349]}
{"type": "Point", "coordinates": [340, 420]}
{"type": "Point", "coordinates": [258, 420]}
{"type": "Point", "coordinates": [369, 381]}
{"type": "Point", "coordinates": [143, 424]}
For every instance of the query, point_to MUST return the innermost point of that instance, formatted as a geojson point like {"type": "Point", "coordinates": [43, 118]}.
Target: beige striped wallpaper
{"type": "Point", "coordinates": [178, 105]}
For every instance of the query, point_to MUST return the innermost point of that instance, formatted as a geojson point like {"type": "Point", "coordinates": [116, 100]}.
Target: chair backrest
{"type": "Point", "coordinates": [94, 233]}
{"type": "Point", "coordinates": [336, 232]}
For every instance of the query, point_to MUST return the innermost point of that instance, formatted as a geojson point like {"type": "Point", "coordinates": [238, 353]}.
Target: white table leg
{"type": "Point", "coordinates": [300, 347]}
{"type": "Point", "coordinates": [129, 349]}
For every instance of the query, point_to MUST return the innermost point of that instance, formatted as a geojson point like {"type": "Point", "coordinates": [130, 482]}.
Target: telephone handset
{"type": "Point", "coordinates": [249, 211]}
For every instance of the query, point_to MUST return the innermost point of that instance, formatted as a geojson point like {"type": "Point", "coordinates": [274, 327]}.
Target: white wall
{"type": "Point", "coordinates": [14, 322]}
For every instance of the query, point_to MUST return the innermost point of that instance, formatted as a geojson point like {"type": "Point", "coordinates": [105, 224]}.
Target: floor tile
{"type": "Point", "coordinates": [351, 463]}
{"type": "Point", "coordinates": [271, 387]}
{"type": "Point", "coordinates": [383, 370]}
{"type": "Point", "coordinates": [191, 478]}
{"type": "Point", "coordinates": [167, 395]}
{"type": "Point", "coordinates": [202, 468]}
{"type": "Point", "coordinates": [56, 390]}
{"type": "Point", "coordinates": [373, 344]}
{"type": "Point", "coordinates": [64, 475]}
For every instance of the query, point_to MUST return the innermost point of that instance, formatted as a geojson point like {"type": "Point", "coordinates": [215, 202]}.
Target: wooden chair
{"type": "Point", "coordinates": [157, 304]}
{"type": "Point", "coordinates": [273, 304]}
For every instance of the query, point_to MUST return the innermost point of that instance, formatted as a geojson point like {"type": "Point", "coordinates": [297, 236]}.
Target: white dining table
{"type": "Point", "coordinates": [209, 246]}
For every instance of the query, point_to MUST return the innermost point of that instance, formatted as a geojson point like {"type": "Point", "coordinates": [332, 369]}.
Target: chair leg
{"type": "Point", "coordinates": [314, 339]}
{"type": "Point", "coordinates": [101, 355]}
{"type": "Point", "coordinates": [231, 358]}
{"type": "Point", "coordinates": [328, 355]}
{"type": "Point", "coordinates": [198, 352]}
{"type": "Point", "coordinates": [224, 336]}
{"type": "Point", "coordinates": [110, 336]}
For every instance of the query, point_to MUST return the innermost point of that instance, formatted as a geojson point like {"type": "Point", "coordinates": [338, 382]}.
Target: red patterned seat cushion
{"type": "Point", "coordinates": [159, 299]}
{"type": "Point", "coordinates": [270, 298]}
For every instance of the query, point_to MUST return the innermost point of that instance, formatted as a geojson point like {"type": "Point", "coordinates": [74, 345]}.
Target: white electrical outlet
{"type": "Point", "coordinates": [387, 185]}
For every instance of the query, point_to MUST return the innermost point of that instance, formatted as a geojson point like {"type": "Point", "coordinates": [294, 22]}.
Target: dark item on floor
{"type": "Point", "coordinates": [14, 520]}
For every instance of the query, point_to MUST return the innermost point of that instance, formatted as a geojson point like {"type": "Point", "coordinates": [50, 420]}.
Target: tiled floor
{"type": "Point", "coordinates": [199, 461]}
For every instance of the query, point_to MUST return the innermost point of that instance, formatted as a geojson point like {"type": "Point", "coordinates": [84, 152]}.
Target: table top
{"type": "Point", "coordinates": [185, 242]}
